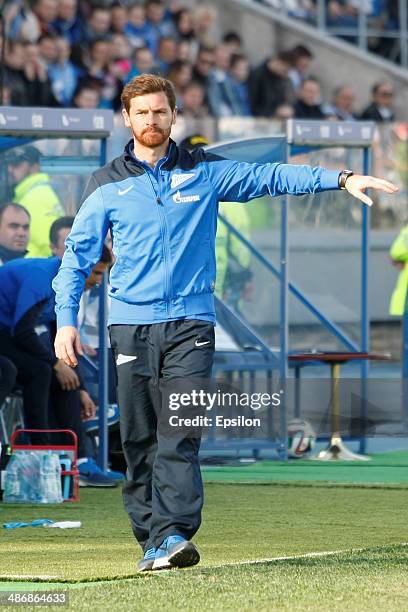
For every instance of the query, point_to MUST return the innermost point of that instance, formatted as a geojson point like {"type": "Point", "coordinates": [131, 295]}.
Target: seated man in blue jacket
{"type": "Point", "coordinates": [50, 387]}
{"type": "Point", "coordinates": [160, 203]}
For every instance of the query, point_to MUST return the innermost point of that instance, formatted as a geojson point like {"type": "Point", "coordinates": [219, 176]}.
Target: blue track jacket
{"type": "Point", "coordinates": [163, 223]}
{"type": "Point", "coordinates": [25, 283]}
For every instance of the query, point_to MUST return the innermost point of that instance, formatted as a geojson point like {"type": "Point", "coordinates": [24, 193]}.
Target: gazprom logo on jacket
{"type": "Point", "coordinates": [179, 199]}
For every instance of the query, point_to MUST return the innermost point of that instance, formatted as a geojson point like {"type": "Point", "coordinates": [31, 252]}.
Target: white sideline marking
{"type": "Point", "coordinates": [310, 555]}
{"type": "Point", "coordinates": [29, 577]}
{"type": "Point", "coordinates": [324, 553]}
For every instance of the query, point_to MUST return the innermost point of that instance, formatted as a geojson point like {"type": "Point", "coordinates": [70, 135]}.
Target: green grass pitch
{"type": "Point", "coordinates": [360, 531]}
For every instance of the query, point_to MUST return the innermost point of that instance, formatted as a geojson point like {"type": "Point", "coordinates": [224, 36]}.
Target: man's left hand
{"type": "Point", "coordinates": [88, 408]}
{"type": "Point", "coordinates": [356, 184]}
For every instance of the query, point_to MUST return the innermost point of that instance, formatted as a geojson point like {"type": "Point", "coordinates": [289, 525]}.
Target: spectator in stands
{"type": "Point", "coordinates": [63, 74]}
{"type": "Point", "coordinates": [234, 42]}
{"type": "Point", "coordinates": [46, 12]}
{"type": "Point", "coordinates": [270, 87]}
{"type": "Point", "coordinates": [68, 24]}
{"type": "Point", "coordinates": [301, 58]}
{"type": "Point", "coordinates": [34, 191]}
{"type": "Point", "coordinates": [137, 29]}
{"type": "Point", "coordinates": [341, 14]}
{"type": "Point", "coordinates": [8, 375]}
{"type": "Point", "coordinates": [14, 72]}
{"type": "Point", "coordinates": [159, 21]}
{"type": "Point", "coordinates": [166, 53]}
{"type": "Point", "coordinates": [28, 23]}
{"type": "Point", "coordinates": [179, 74]}
{"type": "Point", "coordinates": [203, 65]}
{"type": "Point", "coordinates": [143, 63]}
{"type": "Point", "coordinates": [193, 102]}
{"type": "Point", "coordinates": [120, 56]}
{"type": "Point", "coordinates": [219, 93]}
{"type": "Point", "coordinates": [14, 232]}
{"type": "Point", "coordinates": [239, 74]}
{"type": "Point", "coordinates": [342, 104]}
{"type": "Point", "coordinates": [381, 108]}
{"type": "Point", "coordinates": [100, 67]}
{"type": "Point", "coordinates": [205, 17]}
{"type": "Point", "coordinates": [98, 25]}
{"type": "Point", "coordinates": [47, 49]}
{"type": "Point", "coordinates": [26, 301]}
{"type": "Point", "coordinates": [308, 103]}
{"type": "Point", "coordinates": [87, 95]}
{"type": "Point", "coordinates": [119, 18]}
{"type": "Point", "coordinates": [184, 26]}
{"type": "Point", "coordinates": [35, 78]}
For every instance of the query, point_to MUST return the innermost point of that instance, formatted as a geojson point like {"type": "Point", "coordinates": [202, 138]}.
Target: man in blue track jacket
{"type": "Point", "coordinates": [160, 204]}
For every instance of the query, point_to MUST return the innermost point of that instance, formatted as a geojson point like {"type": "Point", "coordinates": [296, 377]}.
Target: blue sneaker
{"type": "Point", "coordinates": [118, 476]}
{"type": "Point", "coordinates": [91, 475]}
{"type": "Point", "coordinates": [176, 551]}
{"type": "Point", "coordinates": [146, 564]}
{"type": "Point", "coordinates": [112, 417]}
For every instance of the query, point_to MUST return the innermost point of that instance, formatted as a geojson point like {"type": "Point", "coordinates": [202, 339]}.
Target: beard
{"type": "Point", "coordinates": [153, 137]}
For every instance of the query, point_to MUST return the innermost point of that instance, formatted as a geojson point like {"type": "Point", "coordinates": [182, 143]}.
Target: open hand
{"type": "Point", "coordinates": [357, 183]}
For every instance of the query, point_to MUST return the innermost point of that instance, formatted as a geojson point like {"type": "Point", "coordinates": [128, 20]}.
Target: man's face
{"type": "Point", "coordinates": [384, 96]}
{"type": "Point", "coordinates": [167, 50]}
{"type": "Point", "coordinates": [204, 63]}
{"type": "Point", "coordinates": [279, 67]}
{"type": "Point", "coordinates": [100, 21]}
{"type": "Point", "coordinates": [19, 171]}
{"type": "Point", "coordinates": [193, 97]}
{"type": "Point", "coordinates": [67, 9]}
{"type": "Point", "coordinates": [345, 99]}
{"type": "Point", "coordinates": [96, 275]}
{"type": "Point", "coordinates": [240, 70]}
{"type": "Point", "coordinates": [310, 93]}
{"type": "Point", "coordinates": [155, 12]}
{"type": "Point", "coordinates": [87, 98]}
{"type": "Point", "coordinates": [144, 60]}
{"type": "Point", "coordinates": [58, 249]}
{"type": "Point", "coordinates": [14, 229]}
{"type": "Point", "coordinates": [150, 118]}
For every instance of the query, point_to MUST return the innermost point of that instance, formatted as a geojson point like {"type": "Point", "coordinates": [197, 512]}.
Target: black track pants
{"type": "Point", "coordinates": [163, 493]}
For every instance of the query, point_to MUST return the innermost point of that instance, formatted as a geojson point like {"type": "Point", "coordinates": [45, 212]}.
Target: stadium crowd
{"type": "Point", "coordinates": [342, 18]}
{"type": "Point", "coordinates": [77, 53]}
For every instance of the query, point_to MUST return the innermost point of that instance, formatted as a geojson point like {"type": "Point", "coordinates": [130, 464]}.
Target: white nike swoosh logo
{"type": "Point", "coordinates": [197, 343]}
{"type": "Point", "coordinates": [125, 359]}
{"type": "Point", "coordinates": [179, 179]}
{"type": "Point", "coordinates": [123, 191]}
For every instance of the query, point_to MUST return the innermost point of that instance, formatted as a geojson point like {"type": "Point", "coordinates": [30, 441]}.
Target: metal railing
{"type": "Point", "coordinates": [366, 25]}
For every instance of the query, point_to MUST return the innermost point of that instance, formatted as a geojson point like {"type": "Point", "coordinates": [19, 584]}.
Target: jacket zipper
{"type": "Point", "coordinates": [165, 241]}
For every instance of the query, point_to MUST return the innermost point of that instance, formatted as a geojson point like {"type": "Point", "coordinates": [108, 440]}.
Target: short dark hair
{"type": "Point", "coordinates": [59, 224]}
{"type": "Point", "coordinates": [378, 85]}
{"type": "Point", "coordinates": [106, 255]}
{"type": "Point", "coordinates": [146, 84]}
{"type": "Point", "coordinates": [232, 37]}
{"type": "Point", "coordinates": [301, 51]}
{"type": "Point", "coordinates": [14, 205]}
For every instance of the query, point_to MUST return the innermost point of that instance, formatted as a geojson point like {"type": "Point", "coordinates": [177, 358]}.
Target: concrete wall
{"type": "Point", "coordinates": [265, 32]}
